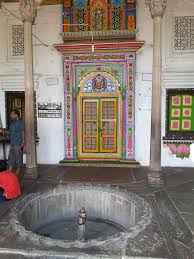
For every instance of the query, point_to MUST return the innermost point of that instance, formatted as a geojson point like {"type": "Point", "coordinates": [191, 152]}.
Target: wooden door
{"type": "Point", "coordinates": [108, 125]}
{"type": "Point", "coordinates": [99, 125]}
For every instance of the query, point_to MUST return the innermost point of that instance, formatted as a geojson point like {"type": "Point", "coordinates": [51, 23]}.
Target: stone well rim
{"type": "Point", "coordinates": [142, 223]}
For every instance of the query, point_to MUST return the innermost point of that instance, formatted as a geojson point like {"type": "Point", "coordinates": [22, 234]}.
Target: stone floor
{"type": "Point", "coordinates": [179, 185]}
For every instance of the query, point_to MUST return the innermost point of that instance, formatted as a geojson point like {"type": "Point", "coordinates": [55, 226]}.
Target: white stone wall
{"type": "Point", "coordinates": [50, 131]}
{"type": "Point", "coordinates": [178, 70]}
{"type": "Point", "coordinates": [143, 87]}
{"type": "Point", "coordinates": [47, 64]}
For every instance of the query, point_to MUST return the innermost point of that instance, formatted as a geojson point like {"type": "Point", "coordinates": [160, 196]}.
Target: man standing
{"type": "Point", "coordinates": [17, 141]}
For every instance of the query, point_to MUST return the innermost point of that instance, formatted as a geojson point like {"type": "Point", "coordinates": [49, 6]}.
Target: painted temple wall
{"type": "Point", "coordinates": [48, 64]}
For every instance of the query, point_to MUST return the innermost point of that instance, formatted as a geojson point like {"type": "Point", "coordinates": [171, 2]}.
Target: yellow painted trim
{"type": "Point", "coordinates": [98, 157]}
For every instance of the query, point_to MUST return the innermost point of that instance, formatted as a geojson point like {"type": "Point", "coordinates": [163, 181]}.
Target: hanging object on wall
{"type": "Point", "coordinates": [49, 110]}
{"type": "Point", "coordinates": [179, 121]}
{"type": "Point", "coordinates": [179, 114]}
{"type": "Point", "coordinates": [52, 81]}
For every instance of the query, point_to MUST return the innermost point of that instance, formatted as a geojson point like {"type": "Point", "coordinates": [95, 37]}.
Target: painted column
{"type": "Point", "coordinates": [157, 8]}
{"type": "Point", "coordinates": [28, 11]}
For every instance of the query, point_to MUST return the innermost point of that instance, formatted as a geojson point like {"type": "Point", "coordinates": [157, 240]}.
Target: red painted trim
{"type": "Point", "coordinates": [98, 46]}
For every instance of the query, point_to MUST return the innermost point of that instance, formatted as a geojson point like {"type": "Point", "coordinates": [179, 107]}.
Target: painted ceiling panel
{"type": "Point", "coordinates": [44, 2]}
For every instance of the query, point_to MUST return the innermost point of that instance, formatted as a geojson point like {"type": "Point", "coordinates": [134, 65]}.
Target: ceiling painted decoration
{"type": "Point", "coordinates": [44, 2]}
{"type": "Point", "coordinates": [99, 18]}
{"type": "Point", "coordinates": [51, 2]}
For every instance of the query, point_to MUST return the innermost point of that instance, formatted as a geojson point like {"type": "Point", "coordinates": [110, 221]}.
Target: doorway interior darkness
{"type": "Point", "coordinates": [16, 100]}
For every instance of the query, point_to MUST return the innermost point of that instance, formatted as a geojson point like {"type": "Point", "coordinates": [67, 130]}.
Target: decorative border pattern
{"type": "Point", "coordinates": [68, 113]}
{"type": "Point", "coordinates": [77, 67]}
{"type": "Point", "coordinates": [183, 33]}
{"type": "Point", "coordinates": [100, 17]}
{"type": "Point", "coordinates": [130, 112]}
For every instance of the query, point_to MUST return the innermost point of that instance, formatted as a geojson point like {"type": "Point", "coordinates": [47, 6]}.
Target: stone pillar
{"type": "Point", "coordinates": [28, 11]}
{"type": "Point", "coordinates": [157, 8]}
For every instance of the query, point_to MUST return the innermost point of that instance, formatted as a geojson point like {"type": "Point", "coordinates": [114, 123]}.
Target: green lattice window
{"type": "Point", "coordinates": [180, 114]}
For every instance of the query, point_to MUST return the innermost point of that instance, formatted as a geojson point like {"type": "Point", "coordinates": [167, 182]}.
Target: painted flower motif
{"type": "Point", "coordinates": [180, 150]}
{"type": "Point", "coordinates": [106, 56]}
{"type": "Point", "coordinates": [172, 148]}
{"type": "Point", "coordinates": [115, 72]}
{"type": "Point", "coordinates": [114, 56]}
{"type": "Point", "coordinates": [68, 141]}
{"type": "Point", "coordinates": [183, 149]}
{"type": "Point", "coordinates": [82, 72]}
{"type": "Point", "coordinates": [98, 68]}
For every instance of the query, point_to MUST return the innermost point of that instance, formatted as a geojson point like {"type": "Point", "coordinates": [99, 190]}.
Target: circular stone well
{"type": "Point", "coordinates": [126, 212]}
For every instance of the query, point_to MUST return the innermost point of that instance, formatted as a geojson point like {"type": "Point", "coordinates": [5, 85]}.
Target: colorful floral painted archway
{"type": "Point", "coordinates": [99, 77]}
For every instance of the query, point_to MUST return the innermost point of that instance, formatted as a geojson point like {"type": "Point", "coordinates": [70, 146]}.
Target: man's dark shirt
{"type": "Point", "coordinates": [16, 129]}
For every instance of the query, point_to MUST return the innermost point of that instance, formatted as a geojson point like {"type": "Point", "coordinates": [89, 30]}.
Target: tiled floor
{"type": "Point", "coordinates": [181, 189]}
{"type": "Point", "coordinates": [80, 174]}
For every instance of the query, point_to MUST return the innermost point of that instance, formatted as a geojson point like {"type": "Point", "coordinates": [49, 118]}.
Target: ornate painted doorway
{"type": "Point", "coordinates": [99, 71]}
{"type": "Point", "coordinates": [99, 106]}
{"type": "Point", "coordinates": [99, 117]}
{"type": "Point", "coordinates": [100, 127]}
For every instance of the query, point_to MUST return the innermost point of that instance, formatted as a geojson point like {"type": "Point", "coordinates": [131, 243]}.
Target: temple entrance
{"type": "Point", "coordinates": [99, 131]}
{"type": "Point", "coordinates": [99, 108]}
{"type": "Point", "coordinates": [99, 124]}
